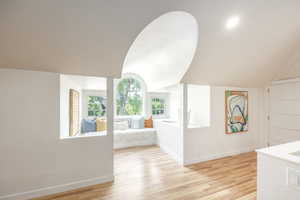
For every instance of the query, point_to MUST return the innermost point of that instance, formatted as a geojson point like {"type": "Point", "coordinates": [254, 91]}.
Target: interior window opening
{"type": "Point", "coordinates": [83, 103]}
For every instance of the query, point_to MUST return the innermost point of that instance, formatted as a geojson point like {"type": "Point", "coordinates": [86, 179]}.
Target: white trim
{"type": "Point", "coordinates": [57, 188]}
{"type": "Point", "coordinates": [217, 156]}
{"type": "Point", "coordinates": [110, 117]}
{"type": "Point", "coordinates": [185, 118]}
{"type": "Point", "coordinates": [292, 80]}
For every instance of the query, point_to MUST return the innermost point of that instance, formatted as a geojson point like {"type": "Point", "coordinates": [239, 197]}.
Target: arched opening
{"type": "Point", "coordinates": [163, 51]}
{"type": "Point", "coordinates": [149, 93]}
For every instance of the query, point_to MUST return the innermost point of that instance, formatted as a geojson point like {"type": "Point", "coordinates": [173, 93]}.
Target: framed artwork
{"type": "Point", "coordinates": [236, 111]}
{"type": "Point", "coordinates": [74, 113]}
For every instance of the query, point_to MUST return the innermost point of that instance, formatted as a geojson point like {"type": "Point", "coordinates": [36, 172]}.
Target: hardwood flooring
{"type": "Point", "coordinates": [144, 173]}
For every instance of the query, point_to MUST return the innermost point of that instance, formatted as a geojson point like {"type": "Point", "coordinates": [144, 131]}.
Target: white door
{"type": "Point", "coordinates": [284, 112]}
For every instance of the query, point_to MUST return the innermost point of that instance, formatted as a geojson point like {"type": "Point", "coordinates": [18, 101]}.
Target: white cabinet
{"type": "Point", "coordinates": [278, 174]}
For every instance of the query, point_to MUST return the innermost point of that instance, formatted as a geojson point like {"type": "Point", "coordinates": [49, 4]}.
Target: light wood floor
{"type": "Point", "coordinates": [147, 173]}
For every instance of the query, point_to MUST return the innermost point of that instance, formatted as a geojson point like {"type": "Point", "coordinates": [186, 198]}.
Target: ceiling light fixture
{"type": "Point", "coordinates": [232, 22]}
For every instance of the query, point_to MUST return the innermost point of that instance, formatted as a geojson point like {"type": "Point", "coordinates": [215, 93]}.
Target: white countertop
{"type": "Point", "coordinates": [283, 152]}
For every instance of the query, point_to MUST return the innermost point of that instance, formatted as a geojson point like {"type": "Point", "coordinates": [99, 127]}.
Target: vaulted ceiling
{"type": "Point", "coordinates": [92, 37]}
{"type": "Point", "coordinates": [164, 50]}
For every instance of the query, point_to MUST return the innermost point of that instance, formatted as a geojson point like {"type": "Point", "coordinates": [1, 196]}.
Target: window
{"type": "Point", "coordinates": [129, 97]}
{"type": "Point", "coordinates": [96, 106]}
{"type": "Point", "coordinates": [82, 100]}
{"type": "Point", "coordinates": [158, 106]}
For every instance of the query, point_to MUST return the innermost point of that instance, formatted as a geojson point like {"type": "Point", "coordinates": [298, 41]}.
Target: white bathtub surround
{"type": "Point", "coordinates": [278, 169]}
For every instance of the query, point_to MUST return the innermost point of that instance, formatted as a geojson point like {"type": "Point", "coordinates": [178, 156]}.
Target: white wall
{"type": "Point", "coordinates": [170, 132]}
{"type": "Point", "coordinates": [284, 112]}
{"type": "Point", "coordinates": [88, 82]}
{"type": "Point", "coordinates": [34, 160]}
{"type": "Point", "coordinates": [211, 142]}
{"type": "Point", "coordinates": [198, 97]}
{"type": "Point", "coordinates": [169, 138]}
{"type": "Point", "coordinates": [175, 102]}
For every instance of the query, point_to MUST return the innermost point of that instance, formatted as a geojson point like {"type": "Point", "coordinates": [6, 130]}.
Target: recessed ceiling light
{"type": "Point", "coordinates": [232, 22]}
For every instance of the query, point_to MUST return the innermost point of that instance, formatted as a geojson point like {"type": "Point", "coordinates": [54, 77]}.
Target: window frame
{"type": "Point", "coordinates": [159, 95]}
{"type": "Point", "coordinates": [143, 90]}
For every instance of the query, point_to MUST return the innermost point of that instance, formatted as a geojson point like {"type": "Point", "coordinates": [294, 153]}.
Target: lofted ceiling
{"type": "Point", "coordinates": [164, 50]}
{"type": "Point", "coordinates": [92, 37]}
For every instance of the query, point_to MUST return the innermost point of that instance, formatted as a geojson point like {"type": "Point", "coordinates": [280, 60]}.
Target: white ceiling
{"type": "Point", "coordinates": [250, 55]}
{"type": "Point", "coordinates": [87, 82]}
{"type": "Point", "coordinates": [164, 50]}
{"type": "Point", "coordinates": [92, 37]}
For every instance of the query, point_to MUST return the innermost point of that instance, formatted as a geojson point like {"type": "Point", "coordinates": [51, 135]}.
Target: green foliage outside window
{"type": "Point", "coordinates": [158, 106]}
{"type": "Point", "coordinates": [129, 97]}
{"type": "Point", "coordinates": [96, 106]}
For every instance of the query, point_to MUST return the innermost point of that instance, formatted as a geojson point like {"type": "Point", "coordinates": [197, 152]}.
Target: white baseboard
{"type": "Point", "coordinates": [216, 156]}
{"type": "Point", "coordinates": [57, 188]}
